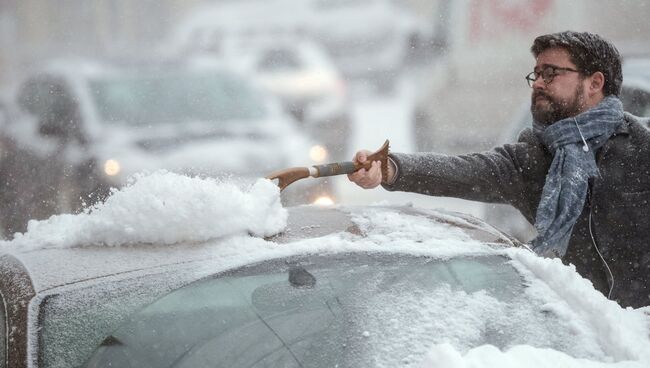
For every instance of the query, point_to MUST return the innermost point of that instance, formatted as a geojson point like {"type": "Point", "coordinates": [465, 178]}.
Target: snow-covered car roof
{"type": "Point", "coordinates": [71, 280]}
{"type": "Point", "coordinates": [112, 240]}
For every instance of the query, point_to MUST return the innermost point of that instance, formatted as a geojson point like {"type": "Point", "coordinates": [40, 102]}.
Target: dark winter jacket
{"type": "Point", "coordinates": [618, 201]}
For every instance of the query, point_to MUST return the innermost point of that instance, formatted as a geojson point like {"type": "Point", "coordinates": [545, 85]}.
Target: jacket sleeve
{"type": "Point", "coordinates": [502, 175]}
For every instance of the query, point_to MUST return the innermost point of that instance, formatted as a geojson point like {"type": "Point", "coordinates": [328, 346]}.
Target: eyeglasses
{"type": "Point", "coordinates": [548, 73]}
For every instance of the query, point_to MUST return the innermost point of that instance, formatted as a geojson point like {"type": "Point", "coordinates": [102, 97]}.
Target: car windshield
{"type": "Point", "coordinates": [176, 98]}
{"type": "Point", "coordinates": [351, 310]}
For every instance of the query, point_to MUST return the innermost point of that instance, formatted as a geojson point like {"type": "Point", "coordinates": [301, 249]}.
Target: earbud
{"type": "Point", "coordinates": [585, 147]}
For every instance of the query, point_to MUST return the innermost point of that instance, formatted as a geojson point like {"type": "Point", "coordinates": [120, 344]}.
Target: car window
{"type": "Point", "coordinates": [279, 59]}
{"type": "Point", "coordinates": [347, 311]}
{"type": "Point", "coordinates": [176, 98]}
{"type": "Point", "coordinates": [73, 321]}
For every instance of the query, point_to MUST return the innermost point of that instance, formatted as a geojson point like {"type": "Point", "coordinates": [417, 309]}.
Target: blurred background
{"type": "Point", "coordinates": [93, 91]}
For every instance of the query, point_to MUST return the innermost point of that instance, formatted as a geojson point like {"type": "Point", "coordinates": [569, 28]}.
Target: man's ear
{"type": "Point", "coordinates": [597, 83]}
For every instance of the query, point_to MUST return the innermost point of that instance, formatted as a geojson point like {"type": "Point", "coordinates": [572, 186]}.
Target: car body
{"type": "Point", "coordinates": [373, 49]}
{"type": "Point", "coordinates": [86, 127]}
{"type": "Point", "coordinates": [635, 95]}
{"type": "Point", "coordinates": [353, 286]}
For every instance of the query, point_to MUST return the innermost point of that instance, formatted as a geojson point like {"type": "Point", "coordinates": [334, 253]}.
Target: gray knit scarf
{"type": "Point", "coordinates": [573, 142]}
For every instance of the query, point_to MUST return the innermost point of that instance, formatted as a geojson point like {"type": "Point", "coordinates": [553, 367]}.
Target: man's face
{"type": "Point", "coordinates": [563, 97]}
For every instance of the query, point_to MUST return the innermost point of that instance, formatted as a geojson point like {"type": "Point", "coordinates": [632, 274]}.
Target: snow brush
{"type": "Point", "coordinates": [287, 176]}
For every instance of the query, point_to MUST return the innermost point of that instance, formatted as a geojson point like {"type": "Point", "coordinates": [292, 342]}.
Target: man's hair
{"type": "Point", "coordinates": [589, 52]}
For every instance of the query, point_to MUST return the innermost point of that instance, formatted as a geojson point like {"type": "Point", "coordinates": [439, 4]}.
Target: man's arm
{"type": "Point", "coordinates": [501, 175]}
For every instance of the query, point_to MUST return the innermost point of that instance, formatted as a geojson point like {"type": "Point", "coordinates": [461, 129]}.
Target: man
{"type": "Point", "coordinates": [581, 174]}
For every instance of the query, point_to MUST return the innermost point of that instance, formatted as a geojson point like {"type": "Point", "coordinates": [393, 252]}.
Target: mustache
{"type": "Point", "coordinates": [540, 94]}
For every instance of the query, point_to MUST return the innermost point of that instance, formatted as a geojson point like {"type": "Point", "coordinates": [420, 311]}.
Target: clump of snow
{"type": "Point", "coordinates": [444, 355]}
{"type": "Point", "coordinates": [163, 208]}
{"type": "Point", "coordinates": [622, 333]}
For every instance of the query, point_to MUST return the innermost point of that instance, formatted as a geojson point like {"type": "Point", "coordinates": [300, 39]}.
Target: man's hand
{"type": "Point", "coordinates": [370, 178]}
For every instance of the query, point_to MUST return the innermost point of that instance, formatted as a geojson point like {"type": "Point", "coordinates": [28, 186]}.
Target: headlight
{"type": "Point", "coordinates": [318, 154]}
{"type": "Point", "coordinates": [111, 167]}
{"type": "Point", "coordinates": [324, 201]}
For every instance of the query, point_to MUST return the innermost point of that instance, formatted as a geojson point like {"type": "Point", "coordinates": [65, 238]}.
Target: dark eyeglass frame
{"type": "Point", "coordinates": [547, 73]}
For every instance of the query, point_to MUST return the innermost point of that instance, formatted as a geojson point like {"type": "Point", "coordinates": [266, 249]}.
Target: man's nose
{"type": "Point", "coordinates": [539, 83]}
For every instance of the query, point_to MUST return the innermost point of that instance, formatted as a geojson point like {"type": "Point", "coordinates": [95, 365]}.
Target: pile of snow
{"type": "Point", "coordinates": [163, 208]}
{"type": "Point", "coordinates": [622, 335]}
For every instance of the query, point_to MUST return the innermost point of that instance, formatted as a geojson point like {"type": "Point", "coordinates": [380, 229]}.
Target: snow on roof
{"type": "Point", "coordinates": [162, 208]}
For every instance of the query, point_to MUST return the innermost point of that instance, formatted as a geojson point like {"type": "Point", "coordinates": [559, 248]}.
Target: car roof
{"type": "Point", "coordinates": [58, 267]}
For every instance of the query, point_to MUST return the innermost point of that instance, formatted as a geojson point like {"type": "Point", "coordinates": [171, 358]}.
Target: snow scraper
{"type": "Point", "coordinates": [287, 176]}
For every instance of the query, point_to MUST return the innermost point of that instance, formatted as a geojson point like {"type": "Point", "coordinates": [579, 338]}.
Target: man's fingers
{"type": "Point", "coordinates": [357, 175]}
{"type": "Point", "coordinates": [369, 178]}
{"type": "Point", "coordinates": [361, 156]}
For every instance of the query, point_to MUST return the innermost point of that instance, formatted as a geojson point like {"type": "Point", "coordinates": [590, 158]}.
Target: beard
{"type": "Point", "coordinates": [556, 109]}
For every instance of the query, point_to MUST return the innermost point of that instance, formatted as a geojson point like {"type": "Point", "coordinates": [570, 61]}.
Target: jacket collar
{"type": "Point", "coordinates": [624, 128]}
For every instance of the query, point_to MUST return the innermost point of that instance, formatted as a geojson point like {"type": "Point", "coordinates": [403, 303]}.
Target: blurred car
{"type": "Point", "coordinates": [309, 85]}
{"type": "Point", "coordinates": [346, 287]}
{"type": "Point", "coordinates": [377, 48]}
{"type": "Point", "coordinates": [87, 127]}
{"type": "Point", "coordinates": [635, 95]}
{"type": "Point", "coordinates": [367, 39]}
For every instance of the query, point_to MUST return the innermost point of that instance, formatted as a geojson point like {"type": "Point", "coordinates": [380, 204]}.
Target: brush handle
{"type": "Point", "coordinates": [337, 168]}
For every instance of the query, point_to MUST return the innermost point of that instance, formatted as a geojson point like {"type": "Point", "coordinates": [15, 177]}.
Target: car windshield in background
{"type": "Point", "coordinates": [279, 60]}
{"type": "Point", "coordinates": [176, 98]}
{"type": "Point", "coordinates": [350, 310]}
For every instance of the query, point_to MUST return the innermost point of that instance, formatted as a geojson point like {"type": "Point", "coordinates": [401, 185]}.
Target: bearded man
{"type": "Point", "coordinates": [580, 174]}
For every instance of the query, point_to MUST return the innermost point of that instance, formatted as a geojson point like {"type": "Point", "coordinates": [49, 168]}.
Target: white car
{"type": "Point", "coordinates": [89, 127]}
{"type": "Point", "coordinates": [310, 87]}
{"type": "Point", "coordinates": [137, 283]}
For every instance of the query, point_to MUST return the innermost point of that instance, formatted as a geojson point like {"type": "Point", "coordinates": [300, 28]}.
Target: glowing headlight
{"type": "Point", "coordinates": [318, 154]}
{"type": "Point", "coordinates": [111, 167]}
{"type": "Point", "coordinates": [324, 201]}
